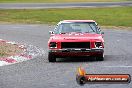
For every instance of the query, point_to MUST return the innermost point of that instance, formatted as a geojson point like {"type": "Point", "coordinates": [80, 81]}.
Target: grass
{"type": "Point", "coordinates": [54, 1]}
{"type": "Point", "coordinates": [115, 16]}
{"type": "Point", "coordinates": [8, 49]}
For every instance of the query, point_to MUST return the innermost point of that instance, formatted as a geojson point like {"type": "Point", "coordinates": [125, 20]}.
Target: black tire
{"type": "Point", "coordinates": [51, 57]}
{"type": "Point", "coordinates": [100, 58]}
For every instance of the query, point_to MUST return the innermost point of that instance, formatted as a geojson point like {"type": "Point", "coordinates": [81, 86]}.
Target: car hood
{"type": "Point", "coordinates": [77, 37]}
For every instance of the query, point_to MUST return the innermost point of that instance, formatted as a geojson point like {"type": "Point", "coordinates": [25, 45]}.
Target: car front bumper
{"type": "Point", "coordinates": [77, 52]}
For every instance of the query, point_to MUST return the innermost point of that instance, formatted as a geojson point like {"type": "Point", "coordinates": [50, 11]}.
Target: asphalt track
{"type": "Point", "coordinates": [39, 73]}
{"type": "Point", "coordinates": [62, 5]}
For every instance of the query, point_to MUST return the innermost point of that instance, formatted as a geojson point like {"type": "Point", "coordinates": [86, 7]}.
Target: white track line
{"type": "Point", "coordinates": [2, 63]}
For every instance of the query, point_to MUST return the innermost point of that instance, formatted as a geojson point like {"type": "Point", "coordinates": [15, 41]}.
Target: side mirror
{"type": "Point", "coordinates": [102, 32]}
{"type": "Point", "coordinates": [51, 32]}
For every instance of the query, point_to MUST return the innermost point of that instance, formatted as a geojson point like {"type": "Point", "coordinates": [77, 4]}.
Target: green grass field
{"type": "Point", "coordinates": [47, 1]}
{"type": "Point", "coordinates": [115, 16]}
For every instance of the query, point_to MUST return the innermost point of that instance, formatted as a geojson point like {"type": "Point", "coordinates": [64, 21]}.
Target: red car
{"type": "Point", "coordinates": [73, 38]}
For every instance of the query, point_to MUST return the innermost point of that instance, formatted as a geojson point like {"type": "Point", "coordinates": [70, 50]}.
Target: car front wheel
{"type": "Point", "coordinates": [100, 58]}
{"type": "Point", "coordinates": [51, 57]}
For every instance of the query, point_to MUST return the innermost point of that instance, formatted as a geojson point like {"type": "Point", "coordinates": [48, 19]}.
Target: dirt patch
{"type": "Point", "coordinates": [7, 49]}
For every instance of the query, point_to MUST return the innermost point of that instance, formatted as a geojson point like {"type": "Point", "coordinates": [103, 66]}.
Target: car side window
{"type": "Point", "coordinates": [57, 29]}
{"type": "Point", "coordinates": [98, 28]}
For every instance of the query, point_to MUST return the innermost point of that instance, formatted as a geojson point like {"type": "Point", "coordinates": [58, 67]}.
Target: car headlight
{"type": "Point", "coordinates": [53, 45]}
{"type": "Point", "coordinates": [98, 44]}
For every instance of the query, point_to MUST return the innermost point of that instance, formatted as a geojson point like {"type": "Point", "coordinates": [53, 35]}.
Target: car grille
{"type": "Point", "coordinates": [75, 45]}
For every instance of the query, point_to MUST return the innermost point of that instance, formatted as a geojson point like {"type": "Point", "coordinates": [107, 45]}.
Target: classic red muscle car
{"type": "Point", "coordinates": [76, 38]}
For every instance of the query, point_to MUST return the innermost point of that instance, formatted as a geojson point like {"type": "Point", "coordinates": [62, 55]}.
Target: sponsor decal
{"type": "Point", "coordinates": [82, 78]}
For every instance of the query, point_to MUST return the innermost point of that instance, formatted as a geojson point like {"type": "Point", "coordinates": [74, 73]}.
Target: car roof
{"type": "Point", "coordinates": [77, 21]}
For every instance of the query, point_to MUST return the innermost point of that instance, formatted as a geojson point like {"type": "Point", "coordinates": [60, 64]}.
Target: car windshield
{"type": "Point", "coordinates": [79, 27]}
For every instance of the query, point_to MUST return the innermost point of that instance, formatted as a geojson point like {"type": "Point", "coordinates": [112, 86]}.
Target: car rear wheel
{"type": "Point", "coordinates": [51, 57]}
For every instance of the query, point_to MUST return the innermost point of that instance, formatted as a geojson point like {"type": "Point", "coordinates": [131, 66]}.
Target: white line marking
{"type": "Point", "coordinates": [3, 63]}
{"type": "Point", "coordinates": [11, 43]}
{"type": "Point", "coordinates": [18, 58]}
{"type": "Point", "coordinates": [118, 66]}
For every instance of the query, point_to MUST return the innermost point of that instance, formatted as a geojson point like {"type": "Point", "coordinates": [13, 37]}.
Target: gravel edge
{"type": "Point", "coordinates": [29, 52]}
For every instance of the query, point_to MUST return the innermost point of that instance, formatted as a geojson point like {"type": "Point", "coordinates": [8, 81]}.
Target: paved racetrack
{"type": "Point", "coordinates": [61, 5]}
{"type": "Point", "coordinates": [39, 73]}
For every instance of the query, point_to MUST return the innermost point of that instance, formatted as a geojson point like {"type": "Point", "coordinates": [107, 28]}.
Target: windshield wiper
{"type": "Point", "coordinates": [89, 32]}
{"type": "Point", "coordinates": [69, 32]}
{"type": "Point", "coordinates": [77, 32]}
{"type": "Point", "coordinates": [63, 33]}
